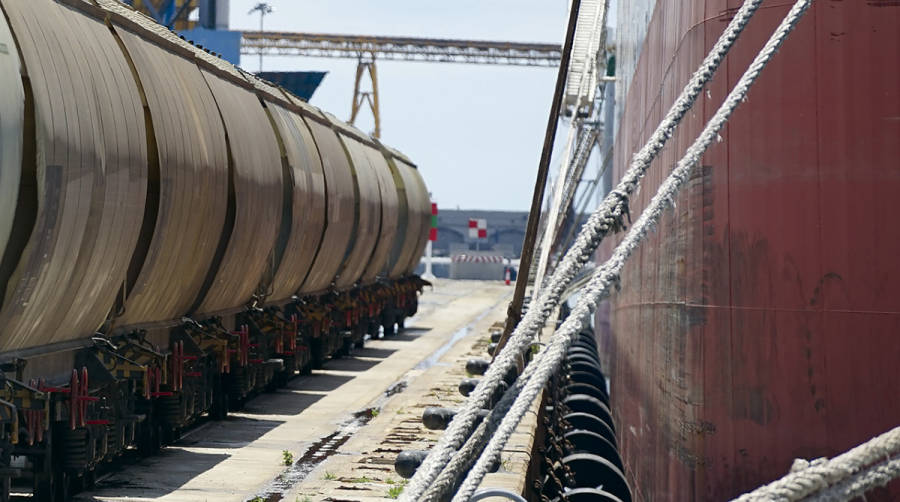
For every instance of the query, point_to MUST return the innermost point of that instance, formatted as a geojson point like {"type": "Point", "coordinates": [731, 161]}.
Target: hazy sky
{"type": "Point", "coordinates": [474, 130]}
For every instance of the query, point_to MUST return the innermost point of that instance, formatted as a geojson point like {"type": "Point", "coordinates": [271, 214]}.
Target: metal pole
{"type": "Point", "coordinates": [263, 8]}
{"type": "Point", "coordinates": [428, 275]}
{"type": "Point", "coordinates": [262, 15]}
{"type": "Point", "coordinates": [514, 312]}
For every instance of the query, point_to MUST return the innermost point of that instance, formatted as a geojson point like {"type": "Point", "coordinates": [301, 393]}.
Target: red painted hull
{"type": "Point", "coordinates": [761, 322]}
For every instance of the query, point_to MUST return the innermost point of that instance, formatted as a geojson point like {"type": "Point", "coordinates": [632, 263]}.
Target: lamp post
{"type": "Point", "coordinates": [263, 8]}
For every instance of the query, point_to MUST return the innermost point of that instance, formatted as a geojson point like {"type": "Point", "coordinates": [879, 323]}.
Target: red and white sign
{"type": "Point", "coordinates": [432, 234]}
{"type": "Point", "coordinates": [468, 258]}
{"type": "Point", "coordinates": [477, 228]}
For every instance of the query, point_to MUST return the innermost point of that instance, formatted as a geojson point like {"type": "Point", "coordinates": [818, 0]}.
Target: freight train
{"type": "Point", "coordinates": [176, 235]}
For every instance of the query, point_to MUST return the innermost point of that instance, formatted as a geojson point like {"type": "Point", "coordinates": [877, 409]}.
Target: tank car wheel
{"type": "Point", "coordinates": [5, 489]}
{"type": "Point", "coordinates": [219, 408]}
{"type": "Point", "coordinates": [44, 487]}
{"type": "Point", "coordinates": [77, 448]}
{"type": "Point", "coordinates": [63, 487]}
{"type": "Point", "coordinates": [54, 486]}
{"type": "Point", "coordinates": [387, 323]}
{"type": "Point", "coordinates": [346, 348]}
{"type": "Point", "coordinates": [114, 436]}
{"type": "Point", "coordinates": [236, 386]}
{"type": "Point", "coordinates": [317, 354]}
{"type": "Point", "coordinates": [171, 409]}
{"type": "Point", "coordinates": [168, 434]}
{"type": "Point", "coordinates": [89, 479]}
{"type": "Point", "coordinates": [262, 378]}
{"type": "Point", "coordinates": [148, 442]}
{"type": "Point", "coordinates": [290, 370]}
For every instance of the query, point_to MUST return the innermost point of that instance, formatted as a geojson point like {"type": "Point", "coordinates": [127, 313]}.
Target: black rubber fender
{"type": "Point", "coordinates": [588, 337]}
{"type": "Point", "coordinates": [590, 390]}
{"type": "Point", "coordinates": [583, 344]}
{"type": "Point", "coordinates": [571, 358]}
{"type": "Point", "coordinates": [585, 441]}
{"type": "Point", "coordinates": [467, 385]}
{"type": "Point", "coordinates": [407, 462]}
{"type": "Point", "coordinates": [575, 349]}
{"type": "Point", "coordinates": [591, 378]}
{"type": "Point", "coordinates": [587, 367]}
{"type": "Point", "coordinates": [437, 418]}
{"type": "Point", "coordinates": [583, 403]}
{"type": "Point", "coordinates": [587, 470]}
{"type": "Point", "coordinates": [477, 366]}
{"type": "Point", "coordinates": [587, 495]}
{"type": "Point", "coordinates": [586, 421]}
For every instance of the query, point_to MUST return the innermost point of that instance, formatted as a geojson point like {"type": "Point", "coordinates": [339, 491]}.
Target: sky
{"type": "Point", "coordinates": [475, 131]}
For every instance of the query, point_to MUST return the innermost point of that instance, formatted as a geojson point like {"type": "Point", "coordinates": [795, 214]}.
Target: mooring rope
{"type": "Point", "coordinates": [844, 477]}
{"type": "Point", "coordinates": [608, 274]}
{"type": "Point", "coordinates": [606, 219]}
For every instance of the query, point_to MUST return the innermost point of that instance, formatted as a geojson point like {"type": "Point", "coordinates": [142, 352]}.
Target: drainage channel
{"type": "Point", "coordinates": [315, 455]}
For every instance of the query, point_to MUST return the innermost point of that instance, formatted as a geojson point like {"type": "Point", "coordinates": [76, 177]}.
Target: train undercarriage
{"type": "Point", "coordinates": [63, 415]}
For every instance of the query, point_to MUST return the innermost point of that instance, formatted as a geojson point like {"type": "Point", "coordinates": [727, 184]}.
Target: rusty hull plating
{"type": "Point", "coordinates": [759, 323]}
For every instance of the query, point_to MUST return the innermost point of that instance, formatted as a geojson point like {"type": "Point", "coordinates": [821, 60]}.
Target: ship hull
{"type": "Point", "coordinates": [760, 322]}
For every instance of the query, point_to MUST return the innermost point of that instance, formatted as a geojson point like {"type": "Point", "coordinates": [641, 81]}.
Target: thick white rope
{"type": "Point", "coordinates": [463, 459]}
{"type": "Point", "coordinates": [857, 485]}
{"type": "Point", "coordinates": [607, 218]}
{"type": "Point", "coordinates": [607, 275]}
{"type": "Point", "coordinates": [841, 478]}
